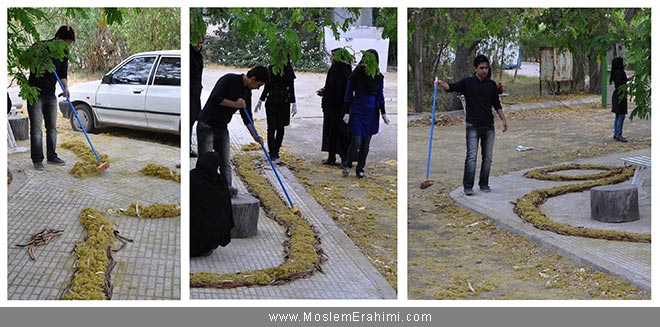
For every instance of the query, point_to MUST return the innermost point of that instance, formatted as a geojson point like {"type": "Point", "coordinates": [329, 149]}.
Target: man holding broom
{"type": "Point", "coordinates": [231, 92]}
{"type": "Point", "coordinates": [44, 108]}
{"type": "Point", "coordinates": [481, 96]}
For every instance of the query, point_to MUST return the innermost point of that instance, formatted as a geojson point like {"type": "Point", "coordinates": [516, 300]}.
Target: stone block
{"type": "Point", "coordinates": [246, 216]}
{"type": "Point", "coordinates": [615, 203]}
{"type": "Point", "coordinates": [19, 126]}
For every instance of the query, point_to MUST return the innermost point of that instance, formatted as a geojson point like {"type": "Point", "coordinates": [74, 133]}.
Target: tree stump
{"type": "Point", "coordinates": [615, 203]}
{"type": "Point", "coordinates": [246, 215]}
{"type": "Point", "coordinates": [19, 126]}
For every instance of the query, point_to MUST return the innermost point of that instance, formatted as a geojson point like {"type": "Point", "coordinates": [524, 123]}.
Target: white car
{"type": "Point", "coordinates": [143, 92]}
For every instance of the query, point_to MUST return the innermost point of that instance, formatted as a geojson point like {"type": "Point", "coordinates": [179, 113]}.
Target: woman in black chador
{"type": "Point", "coordinates": [280, 97]}
{"type": "Point", "coordinates": [211, 218]}
{"type": "Point", "coordinates": [619, 101]}
{"type": "Point", "coordinates": [335, 136]}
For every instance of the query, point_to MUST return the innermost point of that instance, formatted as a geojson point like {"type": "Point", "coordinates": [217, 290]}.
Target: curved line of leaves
{"type": "Point", "coordinates": [528, 206]}
{"type": "Point", "coordinates": [303, 255]}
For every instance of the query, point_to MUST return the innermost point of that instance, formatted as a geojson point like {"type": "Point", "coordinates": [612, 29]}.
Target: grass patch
{"type": "Point", "coordinates": [91, 279]}
{"type": "Point", "coordinates": [160, 172]}
{"type": "Point", "coordinates": [156, 210]}
{"type": "Point", "coordinates": [87, 165]}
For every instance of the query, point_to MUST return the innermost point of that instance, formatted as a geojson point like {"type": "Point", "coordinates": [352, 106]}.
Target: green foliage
{"type": "Point", "coordinates": [370, 63]}
{"type": "Point", "coordinates": [260, 36]}
{"type": "Point", "coordinates": [638, 46]}
{"type": "Point", "coordinates": [104, 36]}
{"type": "Point", "coordinates": [387, 19]}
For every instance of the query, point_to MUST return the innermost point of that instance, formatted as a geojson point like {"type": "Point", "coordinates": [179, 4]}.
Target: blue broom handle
{"type": "Point", "coordinates": [428, 161]}
{"type": "Point", "coordinates": [263, 147]}
{"type": "Point", "coordinates": [77, 118]}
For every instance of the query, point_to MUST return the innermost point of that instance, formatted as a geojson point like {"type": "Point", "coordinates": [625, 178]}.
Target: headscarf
{"type": "Point", "coordinates": [361, 80]}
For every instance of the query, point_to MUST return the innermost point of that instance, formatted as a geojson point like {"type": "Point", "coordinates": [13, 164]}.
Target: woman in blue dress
{"type": "Point", "coordinates": [365, 102]}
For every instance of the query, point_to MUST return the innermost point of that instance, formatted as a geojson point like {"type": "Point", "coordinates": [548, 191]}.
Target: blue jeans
{"type": "Point", "coordinates": [44, 109]}
{"type": "Point", "coordinates": [473, 136]}
{"type": "Point", "coordinates": [215, 139]}
{"type": "Point", "coordinates": [618, 124]}
{"type": "Point", "coordinates": [359, 148]}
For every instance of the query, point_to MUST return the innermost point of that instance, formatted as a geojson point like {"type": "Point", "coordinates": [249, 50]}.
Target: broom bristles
{"type": "Point", "coordinates": [426, 184]}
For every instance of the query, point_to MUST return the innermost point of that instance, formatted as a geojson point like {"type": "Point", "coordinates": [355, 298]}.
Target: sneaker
{"type": "Point", "coordinates": [233, 191]}
{"type": "Point", "coordinates": [485, 188]}
{"type": "Point", "coordinates": [276, 161]}
{"type": "Point", "coordinates": [361, 175]}
{"type": "Point", "coordinates": [622, 139]}
{"type": "Point", "coordinates": [56, 161]}
{"type": "Point", "coordinates": [468, 191]}
{"type": "Point", "coordinates": [39, 166]}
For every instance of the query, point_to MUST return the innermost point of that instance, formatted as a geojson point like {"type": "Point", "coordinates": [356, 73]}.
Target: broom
{"type": "Point", "coordinates": [428, 182]}
{"type": "Point", "coordinates": [102, 165]}
{"type": "Point", "coordinates": [294, 209]}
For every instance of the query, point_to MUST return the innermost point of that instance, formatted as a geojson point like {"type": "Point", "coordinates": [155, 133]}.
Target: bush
{"type": "Point", "coordinates": [228, 49]}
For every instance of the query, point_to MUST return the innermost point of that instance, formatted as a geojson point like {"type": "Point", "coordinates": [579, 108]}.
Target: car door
{"type": "Point", "coordinates": [163, 108]}
{"type": "Point", "coordinates": [121, 97]}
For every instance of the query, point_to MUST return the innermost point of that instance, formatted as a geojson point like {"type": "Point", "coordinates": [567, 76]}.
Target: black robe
{"type": "Point", "coordinates": [211, 218]}
{"type": "Point", "coordinates": [335, 135]}
{"type": "Point", "coordinates": [279, 93]}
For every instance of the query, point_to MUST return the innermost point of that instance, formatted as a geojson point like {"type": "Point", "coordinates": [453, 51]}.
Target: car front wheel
{"type": "Point", "coordinates": [86, 118]}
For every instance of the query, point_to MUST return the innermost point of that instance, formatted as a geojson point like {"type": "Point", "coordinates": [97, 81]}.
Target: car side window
{"type": "Point", "coordinates": [134, 72]}
{"type": "Point", "coordinates": [169, 72]}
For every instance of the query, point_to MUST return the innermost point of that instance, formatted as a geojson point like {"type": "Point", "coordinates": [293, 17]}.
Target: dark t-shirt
{"type": "Point", "coordinates": [47, 82]}
{"type": "Point", "coordinates": [480, 99]}
{"type": "Point", "coordinates": [229, 86]}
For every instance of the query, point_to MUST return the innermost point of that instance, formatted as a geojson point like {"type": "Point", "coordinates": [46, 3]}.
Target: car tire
{"type": "Point", "coordinates": [86, 118]}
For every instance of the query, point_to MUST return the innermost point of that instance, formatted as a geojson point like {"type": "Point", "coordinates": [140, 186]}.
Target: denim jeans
{"type": "Point", "coordinates": [618, 124]}
{"type": "Point", "coordinates": [473, 136]}
{"type": "Point", "coordinates": [215, 139]}
{"type": "Point", "coordinates": [43, 110]}
{"type": "Point", "coordinates": [359, 148]}
{"type": "Point", "coordinates": [275, 138]}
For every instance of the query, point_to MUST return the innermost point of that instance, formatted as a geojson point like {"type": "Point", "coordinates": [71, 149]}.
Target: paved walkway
{"type": "Point", "coordinates": [347, 274]}
{"type": "Point", "coordinates": [629, 260]}
{"type": "Point", "coordinates": [148, 269]}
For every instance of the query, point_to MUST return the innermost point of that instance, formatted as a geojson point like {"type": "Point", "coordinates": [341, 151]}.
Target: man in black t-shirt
{"type": "Point", "coordinates": [481, 97]}
{"type": "Point", "coordinates": [44, 108]}
{"type": "Point", "coordinates": [231, 92]}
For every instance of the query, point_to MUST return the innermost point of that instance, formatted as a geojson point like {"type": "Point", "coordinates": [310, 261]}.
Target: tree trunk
{"type": "Point", "coordinates": [418, 38]}
{"type": "Point", "coordinates": [464, 55]}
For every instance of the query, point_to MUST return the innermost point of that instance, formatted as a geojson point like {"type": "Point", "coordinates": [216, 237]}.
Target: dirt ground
{"type": "Point", "coordinates": [456, 254]}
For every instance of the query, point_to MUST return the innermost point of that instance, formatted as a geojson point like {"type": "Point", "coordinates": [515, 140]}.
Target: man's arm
{"type": "Point", "coordinates": [505, 125]}
{"type": "Point", "coordinates": [254, 134]}
{"type": "Point", "coordinates": [66, 87]}
{"type": "Point", "coordinates": [239, 103]}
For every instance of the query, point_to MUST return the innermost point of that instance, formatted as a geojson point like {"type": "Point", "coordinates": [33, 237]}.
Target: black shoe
{"type": "Point", "coordinates": [622, 139]}
{"type": "Point", "coordinates": [330, 163]}
{"type": "Point", "coordinates": [468, 191]}
{"type": "Point", "coordinates": [233, 192]}
{"type": "Point", "coordinates": [345, 171]}
{"type": "Point", "coordinates": [193, 154]}
{"type": "Point", "coordinates": [39, 166]}
{"type": "Point", "coordinates": [56, 161]}
{"type": "Point", "coordinates": [361, 175]}
{"type": "Point", "coordinates": [485, 188]}
{"type": "Point", "coordinates": [178, 165]}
